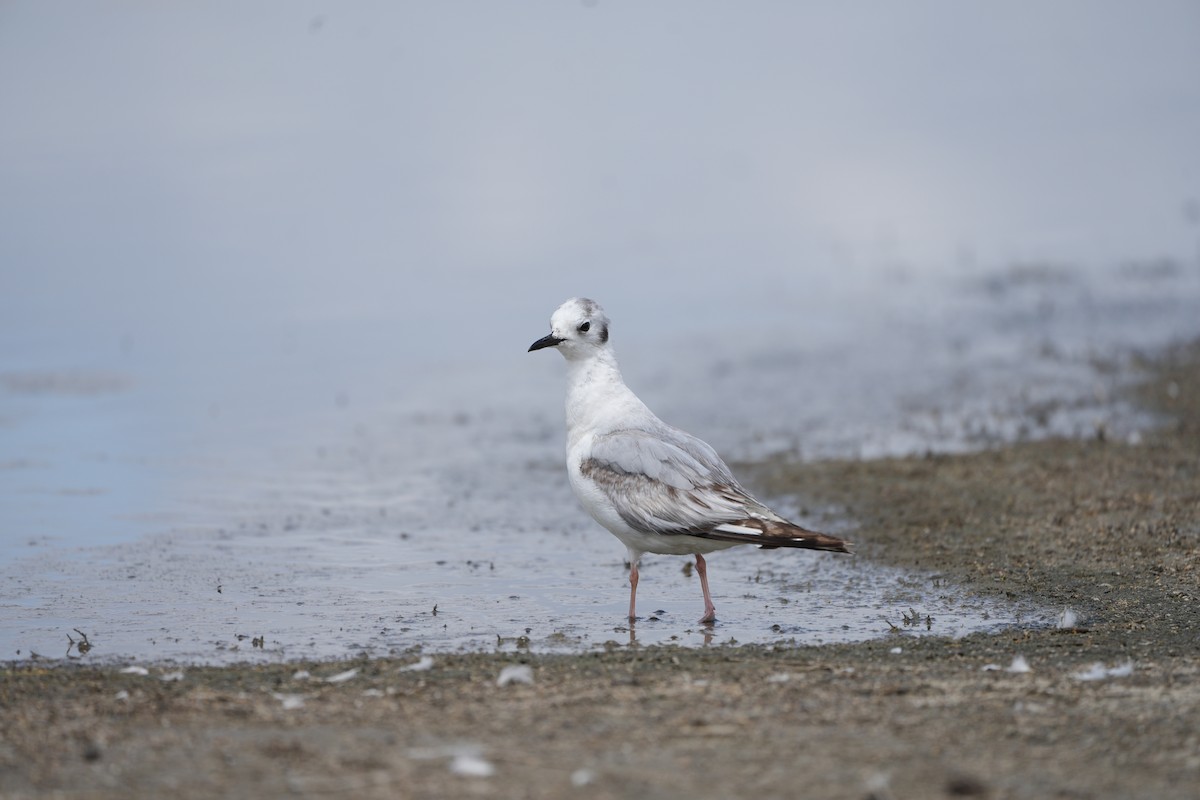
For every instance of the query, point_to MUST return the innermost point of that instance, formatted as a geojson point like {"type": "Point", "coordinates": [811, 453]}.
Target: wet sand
{"type": "Point", "coordinates": [1109, 529]}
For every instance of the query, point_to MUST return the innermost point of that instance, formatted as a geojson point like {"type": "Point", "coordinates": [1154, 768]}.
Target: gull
{"type": "Point", "coordinates": [656, 488]}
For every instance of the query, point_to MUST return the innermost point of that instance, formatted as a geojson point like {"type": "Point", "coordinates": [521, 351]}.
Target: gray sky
{"type": "Point", "coordinates": [320, 161]}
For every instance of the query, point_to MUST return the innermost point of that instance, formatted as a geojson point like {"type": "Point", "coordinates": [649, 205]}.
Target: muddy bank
{"type": "Point", "coordinates": [1111, 530]}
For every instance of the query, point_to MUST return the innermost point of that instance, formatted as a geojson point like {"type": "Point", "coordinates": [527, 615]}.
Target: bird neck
{"type": "Point", "coordinates": [597, 397]}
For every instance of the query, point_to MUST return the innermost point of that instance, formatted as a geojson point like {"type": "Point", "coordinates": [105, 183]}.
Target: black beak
{"type": "Point", "coordinates": [546, 341]}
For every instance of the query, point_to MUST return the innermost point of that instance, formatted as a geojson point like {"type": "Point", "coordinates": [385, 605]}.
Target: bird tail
{"type": "Point", "coordinates": [769, 534]}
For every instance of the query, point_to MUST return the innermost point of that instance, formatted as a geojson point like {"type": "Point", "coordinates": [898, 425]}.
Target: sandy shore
{"type": "Point", "coordinates": [1110, 529]}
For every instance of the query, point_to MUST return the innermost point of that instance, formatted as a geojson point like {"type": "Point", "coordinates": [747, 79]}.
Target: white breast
{"type": "Point", "coordinates": [598, 403]}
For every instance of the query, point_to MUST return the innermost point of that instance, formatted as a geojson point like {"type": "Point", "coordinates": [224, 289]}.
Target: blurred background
{"type": "Point", "coordinates": [172, 167]}
{"type": "Point", "coordinates": [273, 266]}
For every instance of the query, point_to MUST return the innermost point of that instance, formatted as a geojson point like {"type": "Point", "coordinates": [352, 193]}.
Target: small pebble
{"type": "Point", "coordinates": [423, 665]}
{"type": "Point", "coordinates": [290, 702]}
{"type": "Point", "coordinates": [1098, 672]}
{"type": "Point", "coordinates": [472, 766]}
{"type": "Point", "coordinates": [342, 677]}
{"type": "Point", "coordinates": [515, 673]}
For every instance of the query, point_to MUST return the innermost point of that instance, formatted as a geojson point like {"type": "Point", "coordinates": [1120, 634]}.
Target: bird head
{"type": "Point", "coordinates": [578, 328]}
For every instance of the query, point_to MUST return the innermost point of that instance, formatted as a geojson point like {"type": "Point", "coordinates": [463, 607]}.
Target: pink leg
{"type": "Point", "coordinates": [633, 582]}
{"type": "Point", "coordinates": [710, 611]}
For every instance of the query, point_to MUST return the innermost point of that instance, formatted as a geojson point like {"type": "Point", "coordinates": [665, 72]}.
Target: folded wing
{"type": "Point", "coordinates": [671, 483]}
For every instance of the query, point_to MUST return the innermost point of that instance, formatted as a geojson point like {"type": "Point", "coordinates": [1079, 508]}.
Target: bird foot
{"type": "Point", "coordinates": [709, 618]}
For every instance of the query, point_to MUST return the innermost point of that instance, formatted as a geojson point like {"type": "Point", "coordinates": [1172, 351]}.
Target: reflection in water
{"type": "Point", "coordinates": [234, 598]}
{"type": "Point", "coordinates": [708, 633]}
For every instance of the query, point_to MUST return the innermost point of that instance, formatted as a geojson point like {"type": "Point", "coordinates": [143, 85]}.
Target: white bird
{"type": "Point", "coordinates": [655, 487]}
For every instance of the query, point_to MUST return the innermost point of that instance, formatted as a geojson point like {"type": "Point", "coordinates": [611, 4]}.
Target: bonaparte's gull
{"type": "Point", "coordinates": [655, 487]}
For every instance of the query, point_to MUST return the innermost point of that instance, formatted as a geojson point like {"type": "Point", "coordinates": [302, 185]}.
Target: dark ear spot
{"type": "Point", "coordinates": [604, 334]}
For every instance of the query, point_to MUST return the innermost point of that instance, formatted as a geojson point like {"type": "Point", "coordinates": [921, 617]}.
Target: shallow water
{"type": "Point", "coordinates": [221, 598]}
{"type": "Point", "coordinates": [166, 524]}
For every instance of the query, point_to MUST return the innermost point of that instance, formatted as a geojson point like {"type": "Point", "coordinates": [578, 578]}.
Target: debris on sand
{"type": "Point", "coordinates": [1098, 672]}
{"type": "Point", "coordinates": [342, 677]}
{"type": "Point", "coordinates": [472, 766]}
{"type": "Point", "coordinates": [1018, 665]}
{"type": "Point", "coordinates": [423, 665]}
{"type": "Point", "coordinates": [1068, 618]}
{"type": "Point", "coordinates": [515, 673]}
{"type": "Point", "coordinates": [290, 702]}
{"type": "Point", "coordinates": [466, 758]}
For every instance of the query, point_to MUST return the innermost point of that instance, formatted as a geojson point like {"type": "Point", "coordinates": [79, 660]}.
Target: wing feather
{"type": "Point", "coordinates": [666, 484]}
{"type": "Point", "coordinates": [669, 482]}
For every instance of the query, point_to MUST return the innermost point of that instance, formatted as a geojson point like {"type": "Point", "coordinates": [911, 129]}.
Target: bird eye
{"type": "Point", "coordinates": [585, 327]}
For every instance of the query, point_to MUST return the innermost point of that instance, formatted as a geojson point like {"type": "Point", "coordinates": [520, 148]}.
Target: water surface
{"type": "Point", "coordinates": [328, 511]}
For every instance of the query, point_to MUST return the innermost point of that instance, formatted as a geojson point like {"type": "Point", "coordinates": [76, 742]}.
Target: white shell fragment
{"type": "Point", "coordinates": [1018, 665]}
{"type": "Point", "coordinates": [515, 673]}
{"type": "Point", "coordinates": [342, 677]}
{"type": "Point", "coordinates": [290, 702]}
{"type": "Point", "coordinates": [1098, 672]}
{"type": "Point", "coordinates": [472, 766]}
{"type": "Point", "coordinates": [423, 665]}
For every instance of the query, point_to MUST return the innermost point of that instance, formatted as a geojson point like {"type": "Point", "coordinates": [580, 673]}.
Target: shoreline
{"type": "Point", "coordinates": [1108, 529]}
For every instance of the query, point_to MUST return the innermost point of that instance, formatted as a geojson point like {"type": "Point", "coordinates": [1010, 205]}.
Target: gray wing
{"type": "Point", "coordinates": [667, 482]}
